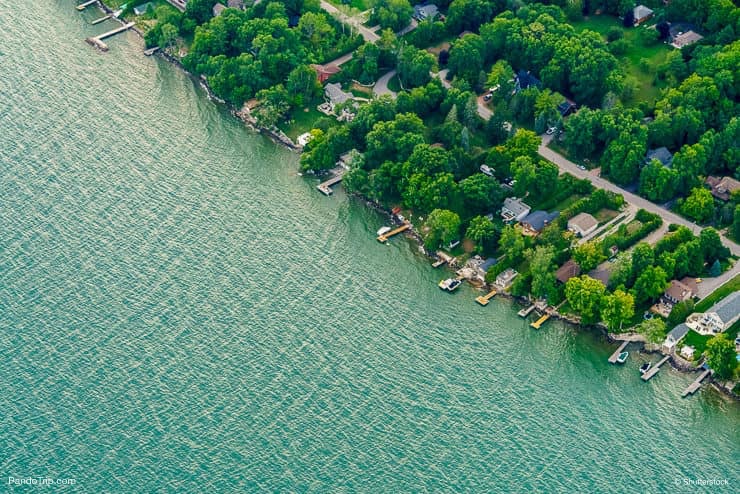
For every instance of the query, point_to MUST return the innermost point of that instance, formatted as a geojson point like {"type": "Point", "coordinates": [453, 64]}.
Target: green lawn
{"type": "Point", "coordinates": [698, 341]}
{"type": "Point", "coordinates": [302, 121]}
{"type": "Point", "coordinates": [654, 54]}
{"type": "Point", "coordinates": [605, 215]}
{"type": "Point", "coordinates": [731, 286]}
{"type": "Point", "coordinates": [352, 7]}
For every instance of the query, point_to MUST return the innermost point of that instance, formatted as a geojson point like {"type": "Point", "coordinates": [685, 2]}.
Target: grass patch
{"type": "Point", "coordinates": [605, 215]}
{"type": "Point", "coordinates": [655, 54]}
{"type": "Point", "coordinates": [301, 121]}
{"type": "Point", "coordinates": [352, 7]}
{"type": "Point", "coordinates": [633, 226]}
{"type": "Point", "coordinates": [731, 286]}
{"type": "Point", "coordinates": [698, 341]}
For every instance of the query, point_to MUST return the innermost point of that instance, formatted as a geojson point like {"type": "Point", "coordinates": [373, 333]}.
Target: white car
{"type": "Point", "coordinates": [551, 131]}
{"type": "Point", "coordinates": [486, 170]}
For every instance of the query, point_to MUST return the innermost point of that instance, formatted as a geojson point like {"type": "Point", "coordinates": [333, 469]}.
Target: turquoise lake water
{"type": "Point", "coordinates": [181, 312]}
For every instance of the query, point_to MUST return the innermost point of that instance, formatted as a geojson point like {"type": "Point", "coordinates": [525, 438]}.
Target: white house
{"type": "Point", "coordinates": [718, 318]}
{"type": "Point", "coordinates": [505, 279]}
{"type": "Point", "coordinates": [582, 224]}
{"type": "Point", "coordinates": [674, 336]}
{"type": "Point", "coordinates": [514, 209]}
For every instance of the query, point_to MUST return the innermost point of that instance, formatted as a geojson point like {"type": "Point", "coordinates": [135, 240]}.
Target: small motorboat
{"type": "Point", "coordinates": [384, 230]}
{"type": "Point", "coordinates": [623, 357]}
{"type": "Point", "coordinates": [645, 367]}
{"type": "Point", "coordinates": [450, 284]}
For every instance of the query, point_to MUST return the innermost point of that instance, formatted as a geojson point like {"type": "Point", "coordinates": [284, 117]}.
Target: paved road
{"type": "Point", "coordinates": [381, 86]}
{"type": "Point", "coordinates": [565, 165]}
{"type": "Point", "coordinates": [355, 22]}
{"type": "Point", "coordinates": [343, 59]}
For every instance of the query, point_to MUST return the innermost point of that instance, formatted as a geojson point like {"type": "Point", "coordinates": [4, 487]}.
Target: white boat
{"type": "Point", "coordinates": [450, 284]}
{"type": "Point", "coordinates": [645, 367]}
{"type": "Point", "coordinates": [623, 357]}
{"type": "Point", "coordinates": [384, 230]}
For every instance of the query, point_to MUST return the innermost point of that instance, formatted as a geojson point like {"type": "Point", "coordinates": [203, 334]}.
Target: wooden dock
{"type": "Point", "coordinates": [615, 355]}
{"type": "Point", "coordinates": [483, 299]}
{"type": "Point", "coordinates": [84, 5]}
{"type": "Point", "coordinates": [384, 238]}
{"type": "Point", "coordinates": [694, 386]}
{"type": "Point", "coordinates": [539, 322]}
{"type": "Point", "coordinates": [442, 258]}
{"type": "Point", "coordinates": [151, 51]}
{"type": "Point", "coordinates": [526, 311]}
{"type": "Point", "coordinates": [325, 186]}
{"type": "Point", "coordinates": [654, 369]}
{"type": "Point", "coordinates": [97, 41]}
{"type": "Point", "coordinates": [98, 21]}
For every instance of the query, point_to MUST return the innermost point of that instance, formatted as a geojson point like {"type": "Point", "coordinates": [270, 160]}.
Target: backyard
{"type": "Point", "coordinates": [639, 61]}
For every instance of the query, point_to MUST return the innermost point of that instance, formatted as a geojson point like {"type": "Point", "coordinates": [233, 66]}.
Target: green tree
{"type": "Point", "coordinates": [392, 14]}
{"type": "Point", "coordinates": [483, 232]}
{"type": "Point", "coordinates": [303, 84]}
{"type": "Point", "coordinates": [735, 229]}
{"type": "Point", "coordinates": [699, 206]}
{"type": "Point", "coordinates": [512, 245]}
{"type": "Point", "coordinates": [616, 309]}
{"type": "Point", "coordinates": [654, 330]}
{"type": "Point", "coordinates": [169, 36]}
{"type": "Point", "coordinates": [414, 66]}
{"type": "Point", "coordinates": [721, 356]}
{"type": "Point", "coordinates": [588, 255]}
{"type": "Point", "coordinates": [680, 312]}
{"type": "Point", "coordinates": [481, 193]}
{"type": "Point", "coordinates": [541, 263]}
{"type": "Point", "coordinates": [650, 284]}
{"type": "Point", "coordinates": [466, 58]}
{"type": "Point", "coordinates": [584, 294]}
{"type": "Point", "coordinates": [711, 246]}
{"type": "Point", "coordinates": [657, 182]}
{"type": "Point", "coordinates": [443, 227]}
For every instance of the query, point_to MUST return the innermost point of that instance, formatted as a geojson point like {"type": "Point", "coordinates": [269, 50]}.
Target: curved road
{"type": "Point", "coordinates": [381, 86]}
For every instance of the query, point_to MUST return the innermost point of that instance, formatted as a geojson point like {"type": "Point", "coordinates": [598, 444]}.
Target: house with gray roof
{"type": "Point", "coordinates": [426, 12]}
{"type": "Point", "coordinates": [535, 221]}
{"type": "Point", "coordinates": [514, 209]}
{"type": "Point", "coordinates": [661, 154]}
{"type": "Point", "coordinates": [719, 318]}
{"type": "Point", "coordinates": [334, 95]}
{"type": "Point", "coordinates": [674, 336]}
{"type": "Point", "coordinates": [641, 14]}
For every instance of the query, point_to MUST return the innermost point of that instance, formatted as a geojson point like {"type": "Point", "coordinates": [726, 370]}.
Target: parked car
{"type": "Point", "coordinates": [551, 131]}
{"type": "Point", "coordinates": [487, 97]}
{"type": "Point", "coordinates": [581, 167]}
{"type": "Point", "coordinates": [486, 170]}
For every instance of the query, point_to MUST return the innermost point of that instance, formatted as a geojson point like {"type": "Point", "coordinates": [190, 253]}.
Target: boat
{"type": "Point", "coordinates": [450, 284]}
{"type": "Point", "coordinates": [645, 367]}
{"type": "Point", "coordinates": [623, 357]}
{"type": "Point", "coordinates": [383, 230]}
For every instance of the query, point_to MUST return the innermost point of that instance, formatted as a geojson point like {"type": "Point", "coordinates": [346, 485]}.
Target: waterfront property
{"type": "Point", "coordinates": [674, 336]}
{"type": "Point", "coordinates": [505, 279]}
{"type": "Point", "coordinates": [719, 318]}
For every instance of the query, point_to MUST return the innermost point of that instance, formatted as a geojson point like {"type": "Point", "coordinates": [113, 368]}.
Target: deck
{"type": "Point", "coordinates": [615, 355]}
{"type": "Point", "coordinates": [483, 299]}
{"type": "Point", "coordinates": [526, 311]}
{"type": "Point", "coordinates": [384, 238]}
{"type": "Point", "coordinates": [104, 18]}
{"type": "Point", "coordinates": [326, 186]}
{"type": "Point", "coordinates": [694, 386]}
{"type": "Point", "coordinates": [84, 5]}
{"type": "Point", "coordinates": [539, 322]}
{"type": "Point", "coordinates": [97, 41]}
{"type": "Point", "coordinates": [654, 370]}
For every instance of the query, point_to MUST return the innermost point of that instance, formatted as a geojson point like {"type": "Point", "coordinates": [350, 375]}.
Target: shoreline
{"type": "Point", "coordinates": [280, 138]}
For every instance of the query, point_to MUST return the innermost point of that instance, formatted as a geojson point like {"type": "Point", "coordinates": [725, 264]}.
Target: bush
{"type": "Point", "coordinates": [614, 33]}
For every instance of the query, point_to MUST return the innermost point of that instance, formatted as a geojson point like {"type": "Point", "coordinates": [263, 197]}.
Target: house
{"type": "Point", "coordinates": [678, 292]}
{"type": "Point", "coordinates": [602, 275]}
{"type": "Point", "coordinates": [349, 159]}
{"type": "Point", "coordinates": [641, 14]}
{"type": "Point", "coordinates": [514, 209]}
{"type": "Point", "coordinates": [569, 270]}
{"type": "Point", "coordinates": [235, 4]}
{"type": "Point", "coordinates": [722, 188]}
{"type": "Point", "coordinates": [535, 221]}
{"type": "Point", "coordinates": [324, 72]}
{"type": "Point", "coordinates": [505, 279]}
{"type": "Point", "coordinates": [720, 317]}
{"type": "Point", "coordinates": [685, 39]}
{"type": "Point", "coordinates": [582, 224]}
{"type": "Point", "coordinates": [567, 107]}
{"type": "Point", "coordinates": [661, 154]}
{"type": "Point", "coordinates": [477, 267]}
{"type": "Point", "coordinates": [524, 79]}
{"type": "Point", "coordinates": [218, 9]}
{"type": "Point", "coordinates": [425, 12]}
{"type": "Point", "coordinates": [674, 336]}
{"type": "Point", "coordinates": [334, 95]}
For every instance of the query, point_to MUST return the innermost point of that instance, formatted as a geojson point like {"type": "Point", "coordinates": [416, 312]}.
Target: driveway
{"type": "Point", "coordinates": [381, 86]}
{"type": "Point", "coordinates": [483, 110]}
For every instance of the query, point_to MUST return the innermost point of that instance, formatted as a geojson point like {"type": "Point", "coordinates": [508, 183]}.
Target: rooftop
{"type": "Point", "coordinates": [679, 291]}
{"type": "Point", "coordinates": [678, 332]}
{"type": "Point", "coordinates": [583, 221]}
{"type": "Point", "coordinates": [685, 39]}
{"type": "Point", "coordinates": [567, 271]}
{"type": "Point", "coordinates": [640, 12]}
{"type": "Point", "coordinates": [515, 206]}
{"type": "Point", "coordinates": [537, 220]}
{"type": "Point", "coordinates": [728, 308]}
{"type": "Point", "coordinates": [661, 154]}
{"type": "Point", "coordinates": [723, 187]}
{"type": "Point", "coordinates": [334, 93]}
{"type": "Point", "coordinates": [218, 8]}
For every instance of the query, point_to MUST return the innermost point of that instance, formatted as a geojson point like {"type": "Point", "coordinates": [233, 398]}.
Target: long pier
{"type": "Point", "coordinates": [483, 299]}
{"type": "Point", "coordinates": [97, 41]}
{"type": "Point", "coordinates": [104, 18]}
{"type": "Point", "coordinates": [654, 370]}
{"type": "Point", "coordinates": [694, 386]}
{"type": "Point", "coordinates": [384, 238]}
{"type": "Point", "coordinates": [84, 5]}
{"type": "Point", "coordinates": [325, 187]}
{"type": "Point", "coordinates": [615, 355]}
